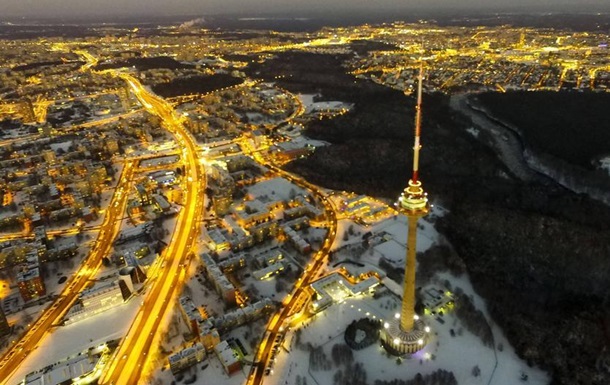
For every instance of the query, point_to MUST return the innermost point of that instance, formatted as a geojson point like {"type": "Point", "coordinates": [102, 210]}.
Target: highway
{"type": "Point", "coordinates": [129, 363]}
{"type": "Point", "coordinates": [91, 60]}
{"type": "Point", "coordinates": [51, 317]}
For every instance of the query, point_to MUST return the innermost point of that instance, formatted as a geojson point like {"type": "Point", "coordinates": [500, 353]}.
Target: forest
{"type": "Point", "coordinates": [572, 126]}
{"type": "Point", "coordinates": [535, 251]}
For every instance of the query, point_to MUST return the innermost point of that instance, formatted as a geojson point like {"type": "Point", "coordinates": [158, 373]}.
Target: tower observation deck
{"type": "Point", "coordinates": [406, 333]}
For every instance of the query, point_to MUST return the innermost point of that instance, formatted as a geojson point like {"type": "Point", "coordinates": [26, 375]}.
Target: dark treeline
{"type": "Point", "coordinates": [195, 85]}
{"type": "Point", "coordinates": [144, 63]}
{"type": "Point", "coordinates": [29, 66]}
{"type": "Point", "coordinates": [439, 377]}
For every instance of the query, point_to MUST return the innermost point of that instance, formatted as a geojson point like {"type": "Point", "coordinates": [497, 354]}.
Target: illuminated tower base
{"type": "Point", "coordinates": [399, 342]}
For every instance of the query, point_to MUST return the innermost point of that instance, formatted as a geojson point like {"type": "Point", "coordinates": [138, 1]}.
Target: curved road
{"type": "Point", "coordinates": [294, 300]}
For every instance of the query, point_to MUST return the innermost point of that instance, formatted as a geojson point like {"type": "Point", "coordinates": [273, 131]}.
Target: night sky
{"type": "Point", "coordinates": [71, 8]}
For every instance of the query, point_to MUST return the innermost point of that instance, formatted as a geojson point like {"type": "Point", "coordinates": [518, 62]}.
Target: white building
{"type": "Point", "coordinates": [94, 301]}
{"type": "Point", "coordinates": [222, 285]}
{"type": "Point", "coordinates": [228, 357]}
{"type": "Point", "coordinates": [186, 358]}
{"type": "Point", "coordinates": [85, 367]}
{"type": "Point", "coordinates": [335, 288]}
{"type": "Point", "coordinates": [267, 272]}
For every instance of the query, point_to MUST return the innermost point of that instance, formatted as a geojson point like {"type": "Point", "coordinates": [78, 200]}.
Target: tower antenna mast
{"type": "Point", "coordinates": [417, 144]}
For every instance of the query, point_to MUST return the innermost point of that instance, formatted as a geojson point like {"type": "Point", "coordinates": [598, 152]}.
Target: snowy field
{"type": "Point", "coordinates": [310, 105]}
{"type": "Point", "coordinates": [605, 164]}
{"type": "Point", "coordinates": [306, 99]}
{"type": "Point", "coordinates": [458, 354]}
{"type": "Point", "coordinates": [275, 189]}
{"type": "Point", "coordinates": [71, 339]}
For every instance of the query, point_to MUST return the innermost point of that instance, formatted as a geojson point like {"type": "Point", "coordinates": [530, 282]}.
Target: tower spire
{"type": "Point", "coordinates": [413, 200]}
{"type": "Point", "coordinates": [417, 144]}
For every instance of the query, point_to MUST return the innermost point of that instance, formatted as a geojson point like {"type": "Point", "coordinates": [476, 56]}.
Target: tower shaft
{"type": "Point", "coordinates": [407, 313]}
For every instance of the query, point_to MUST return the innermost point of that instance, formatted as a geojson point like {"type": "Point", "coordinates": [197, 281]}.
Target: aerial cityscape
{"type": "Point", "coordinates": [382, 198]}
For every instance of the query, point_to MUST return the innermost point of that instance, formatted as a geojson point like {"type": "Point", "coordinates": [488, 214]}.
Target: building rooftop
{"type": "Point", "coordinates": [28, 273]}
{"type": "Point", "coordinates": [226, 354]}
{"type": "Point", "coordinates": [185, 353]}
{"type": "Point", "coordinates": [65, 371]}
{"type": "Point", "coordinates": [190, 309]}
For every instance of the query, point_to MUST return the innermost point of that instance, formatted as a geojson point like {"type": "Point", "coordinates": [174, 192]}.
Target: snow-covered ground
{"type": "Point", "coordinates": [64, 146]}
{"type": "Point", "coordinates": [310, 105]}
{"type": "Point", "coordinates": [71, 339]}
{"type": "Point", "coordinates": [275, 189]}
{"type": "Point", "coordinates": [306, 99]}
{"type": "Point", "coordinates": [458, 354]}
{"type": "Point", "coordinates": [605, 164]}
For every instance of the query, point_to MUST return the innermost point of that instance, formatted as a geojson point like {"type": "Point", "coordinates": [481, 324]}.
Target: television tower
{"type": "Point", "coordinates": [407, 334]}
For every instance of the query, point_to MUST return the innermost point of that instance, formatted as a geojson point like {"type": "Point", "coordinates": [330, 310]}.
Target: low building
{"type": "Point", "coordinates": [161, 203]}
{"type": "Point", "coordinates": [296, 240]}
{"type": "Point", "coordinates": [269, 257]}
{"type": "Point", "coordinates": [303, 207]}
{"type": "Point", "coordinates": [94, 301]}
{"type": "Point", "coordinates": [228, 357]}
{"type": "Point", "coordinates": [262, 231]}
{"type": "Point", "coordinates": [356, 206]}
{"type": "Point", "coordinates": [335, 287]}
{"type": "Point", "coordinates": [268, 271]}
{"type": "Point", "coordinates": [30, 283]}
{"type": "Point", "coordinates": [175, 195]}
{"type": "Point", "coordinates": [192, 315]}
{"type": "Point", "coordinates": [164, 177]}
{"type": "Point", "coordinates": [64, 251]}
{"type": "Point", "coordinates": [135, 272]}
{"type": "Point", "coordinates": [243, 315]}
{"type": "Point", "coordinates": [217, 241]}
{"type": "Point", "coordinates": [134, 232]}
{"type": "Point", "coordinates": [143, 194]}
{"type": "Point", "coordinates": [437, 300]}
{"type": "Point", "coordinates": [298, 223]}
{"type": "Point", "coordinates": [251, 213]}
{"type": "Point", "coordinates": [208, 335]}
{"type": "Point", "coordinates": [233, 262]}
{"type": "Point", "coordinates": [221, 284]}
{"type": "Point", "coordinates": [82, 368]}
{"type": "Point", "coordinates": [186, 358]}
